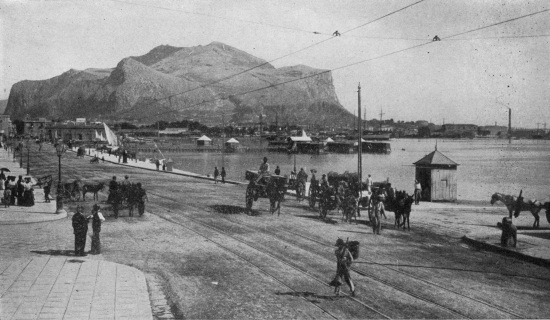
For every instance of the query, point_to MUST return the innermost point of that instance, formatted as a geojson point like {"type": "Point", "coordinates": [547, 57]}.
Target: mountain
{"type": "Point", "coordinates": [138, 89]}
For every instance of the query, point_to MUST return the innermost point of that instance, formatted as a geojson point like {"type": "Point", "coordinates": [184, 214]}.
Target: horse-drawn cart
{"type": "Point", "coordinates": [272, 187]}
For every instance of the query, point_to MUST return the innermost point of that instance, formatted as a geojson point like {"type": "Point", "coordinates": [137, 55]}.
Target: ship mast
{"type": "Point", "coordinates": [359, 145]}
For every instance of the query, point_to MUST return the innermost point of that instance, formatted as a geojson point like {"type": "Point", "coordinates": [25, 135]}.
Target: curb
{"type": "Point", "coordinates": [168, 172]}
{"type": "Point", "coordinates": [504, 251]}
{"type": "Point", "coordinates": [57, 217]}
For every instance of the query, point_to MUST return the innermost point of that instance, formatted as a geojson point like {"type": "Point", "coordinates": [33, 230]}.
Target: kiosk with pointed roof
{"type": "Point", "coordinates": [437, 176]}
{"type": "Point", "coordinates": [204, 141]}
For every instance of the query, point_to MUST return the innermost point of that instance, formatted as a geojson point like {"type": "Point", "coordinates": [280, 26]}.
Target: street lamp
{"type": "Point", "coordinates": [28, 146]}
{"type": "Point", "coordinates": [20, 145]}
{"type": "Point", "coordinates": [59, 149]}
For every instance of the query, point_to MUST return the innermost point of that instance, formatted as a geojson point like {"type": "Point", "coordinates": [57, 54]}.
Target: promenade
{"type": "Point", "coordinates": [40, 278]}
{"type": "Point", "coordinates": [54, 284]}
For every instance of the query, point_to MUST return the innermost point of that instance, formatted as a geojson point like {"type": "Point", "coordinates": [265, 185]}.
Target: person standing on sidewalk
{"type": "Point", "coordinates": [369, 184]}
{"type": "Point", "coordinates": [80, 227]}
{"type": "Point", "coordinates": [417, 192]}
{"type": "Point", "coordinates": [216, 174]}
{"type": "Point", "coordinates": [97, 218]}
{"type": "Point", "coordinates": [223, 174]}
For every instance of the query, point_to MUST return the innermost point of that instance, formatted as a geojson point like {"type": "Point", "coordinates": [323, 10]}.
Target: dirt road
{"type": "Point", "coordinates": [218, 263]}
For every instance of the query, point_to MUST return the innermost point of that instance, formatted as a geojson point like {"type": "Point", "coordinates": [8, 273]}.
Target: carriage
{"type": "Point", "coordinates": [272, 187]}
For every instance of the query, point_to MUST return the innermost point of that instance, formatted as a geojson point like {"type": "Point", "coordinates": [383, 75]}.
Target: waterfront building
{"type": "Point", "coordinates": [437, 176]}
{"type": "Point", "coordinates": [76, 131]}
{"type": "Point", "coordinates": [459, 130]}
{"type": "Point", "coordinates": [204, 141]}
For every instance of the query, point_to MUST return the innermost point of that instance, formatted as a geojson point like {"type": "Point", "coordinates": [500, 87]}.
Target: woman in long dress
{"type": "Point", "coordinates": [97, 219]}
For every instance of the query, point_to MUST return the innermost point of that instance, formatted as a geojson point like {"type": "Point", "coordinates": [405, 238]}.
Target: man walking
{"type": "Point", "coordinates": [223, 174]}
{"type": "Point", "coordinates": [80, 227]}
{"type": "Point", "coordinates": [344, 260]}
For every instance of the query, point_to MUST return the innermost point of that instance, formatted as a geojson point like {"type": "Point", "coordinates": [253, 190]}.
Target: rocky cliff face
{"type": "Point", "coordinates": [173, 83]}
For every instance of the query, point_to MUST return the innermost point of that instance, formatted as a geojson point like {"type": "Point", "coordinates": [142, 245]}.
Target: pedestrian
{"type": "Point", "coordinates": [113, 186]}
{"type": "Point", "coordinates": [97, 218]}
{"type": "Point", "coordinates": [223, 174]}
{"type": "Point", "coordinates": [20, 191]}
{"type": "Point", "coordinates": [142, 196]}
{"type": "Point", "coordinates": [157, 163]}
{"type": "Point", "coordinates": [216, 174]}
{"type": "Point", "coordinates": [377, 211]}
{"type": "Point", "coordinates": [47, 190]}
{"type": "Point", "coordinates": [369, 184]}
{"type": "Point", "coordinates": [163, 166]}
{"type": "Point", "coordinates": [102, 159]}
{"type": "Point", "coordinates": [13, 188]}
{"type": "Point", "coordinates": [80, 227]}
{"type": "Point", "coordinates": [417, 191]}
{"type": "Point", "coordinates": [28, 194]}
{"type": "Point", "coordinates": [344, 259]}
{"type": "Point", "coordinates": [277, 170]}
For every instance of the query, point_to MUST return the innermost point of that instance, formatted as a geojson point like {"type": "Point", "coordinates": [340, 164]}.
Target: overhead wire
{"type": "Point", "coordinates": [364, 60]}
{"type": "Point", "coordinates": [278, 58]}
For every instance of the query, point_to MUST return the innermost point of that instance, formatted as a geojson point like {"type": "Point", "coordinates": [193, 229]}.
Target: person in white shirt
{"type": "Point", "coordinates": [97, 218]}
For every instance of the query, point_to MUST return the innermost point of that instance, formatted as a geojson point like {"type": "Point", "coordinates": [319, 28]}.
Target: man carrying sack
{"type": "Point", "coordinates": [344, 260]}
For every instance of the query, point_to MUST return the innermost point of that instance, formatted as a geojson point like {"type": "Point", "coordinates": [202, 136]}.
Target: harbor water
{"type": "Point", "coordinates": [485, 166]}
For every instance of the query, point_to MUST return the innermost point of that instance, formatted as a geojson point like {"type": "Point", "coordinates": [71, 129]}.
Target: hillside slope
{"type": "Point", "coordinates": [199, 82]}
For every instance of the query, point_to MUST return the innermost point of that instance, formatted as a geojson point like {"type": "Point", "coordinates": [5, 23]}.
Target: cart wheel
{"type": "Point", "coordinates": [311, 194]}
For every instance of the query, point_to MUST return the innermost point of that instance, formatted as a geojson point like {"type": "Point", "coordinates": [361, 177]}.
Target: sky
{"type": "Point", "coordinates": [464, 78]}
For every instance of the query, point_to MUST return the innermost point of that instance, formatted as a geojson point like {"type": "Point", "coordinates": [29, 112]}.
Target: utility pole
{"type": "Point", "coordinates": [509, 125]}
{"type": "Point", "coordinates": [359, 146]}
{"type": "Point", "coordinates": [381, 114]}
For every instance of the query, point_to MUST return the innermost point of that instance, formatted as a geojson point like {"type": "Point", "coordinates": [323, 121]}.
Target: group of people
{"type": "Point", "coordinates": [221, 174]}
{"type": "Point", "coordinates": [80, 228]}
{"type": "Point", "coordinates": [16, 193]}
{"type": "Point", "coordinates": [131, 193]}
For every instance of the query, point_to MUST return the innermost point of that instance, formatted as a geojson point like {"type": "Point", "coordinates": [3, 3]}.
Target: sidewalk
{"type": "Point", "coordinates": [477, 226]}
{"type": "Point", "coordinates": [53, 287]}
{"type": "Point", "coordinates": [70, 288]}
{"type": "Point", "coordinates": [40, 212]}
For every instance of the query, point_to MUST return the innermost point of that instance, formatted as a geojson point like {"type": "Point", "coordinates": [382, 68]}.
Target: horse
{"type": "Point", "coordinates": [534, 206]}
{"type": "Point", "coordinates": [92, 188]}
{"type": "Point", "coordinates": [405, 211]}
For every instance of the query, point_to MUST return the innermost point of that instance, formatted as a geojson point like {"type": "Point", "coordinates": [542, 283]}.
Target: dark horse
{"type": "Point", "coordinates": [92, 188]}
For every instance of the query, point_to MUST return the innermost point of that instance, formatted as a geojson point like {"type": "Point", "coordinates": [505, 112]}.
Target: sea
{"type": "Point", "coordinates": [485, 166]}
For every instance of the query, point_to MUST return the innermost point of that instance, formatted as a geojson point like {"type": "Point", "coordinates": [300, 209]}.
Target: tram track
{"type": "Point", "coordinates": [324, 244]}
{"type": "Point", "coordinates": [378, 313]}
{"type": "Point", "coordinates": [305, 272]}
{"type": "Point", "coordinates": [508, 313]}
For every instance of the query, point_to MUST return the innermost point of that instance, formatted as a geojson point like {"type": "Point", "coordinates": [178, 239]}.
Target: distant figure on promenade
{"type": "Point", "coordinates": [28, 195]}
{"type": "Point", "coordinates": [336, 33]}
{"type": "Point", "coordinates": [80, 227]}
{"type": "Point", "coordinates": [13, 187]}
{"type": "Point", "coordinates": [277, 170]}
{"type": "Point", "coordinates": [97, 218]}
{"type": "Point", "coordinates": [216, 174]}
{"type": "Point", "coordinates": [157, 163]}
{"type": "Point", "coordinates": [142, 197]}
{"type": "Point", "coordinates": [102, 159]}
{"type": "Point", "coordinates": [223, 174]}
{"type": "Point", "coordinates": [47, 190]}
{"type": "Point", "coordinates": [113, 186]}
{"type": "Point", "coordinates": [417, 192]}
{"type": "Point", "coordinates": [124, 156]}
{"type": "Point", "coordinates": [369, 184]}
{"type": "Point", "coordinates": [163, 166]}
{"type": "Point", "coordinates": [20, 191]}
{"type": "Point", "coordinates": [377, 212]}
{"type": "Point", "coordinates": [344, 259]}
{"type": "Point", "coordinates": [263, 170]}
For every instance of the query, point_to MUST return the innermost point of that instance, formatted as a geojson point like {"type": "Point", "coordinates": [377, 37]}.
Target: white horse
{"type": "Point", "coordinates": [534, 206]}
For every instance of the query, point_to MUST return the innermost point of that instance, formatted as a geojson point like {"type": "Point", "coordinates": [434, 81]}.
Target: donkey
{"type": "Point", "coordinates": [92, 188]}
